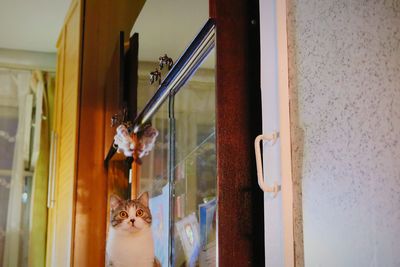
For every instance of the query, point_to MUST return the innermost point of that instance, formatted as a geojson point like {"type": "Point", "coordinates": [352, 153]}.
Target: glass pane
{"type": "Point", "coordinates": [179, 176]}
{"type": "Point", "coordinates": [186, 146]}
{"type": "Point", "coordinates": [165, 27]}
{"type": "Point", "coordinates": [8, 130]}
{"type": "Point", "coordinates": [194, 198]}
{"type": "Point", "coordinates": [191, 211]}
{"type": "Point", "coordinates": [154, 179]}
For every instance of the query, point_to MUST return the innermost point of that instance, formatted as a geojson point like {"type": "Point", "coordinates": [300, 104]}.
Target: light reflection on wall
{"type": "Point", "coordinates": [344, 79]}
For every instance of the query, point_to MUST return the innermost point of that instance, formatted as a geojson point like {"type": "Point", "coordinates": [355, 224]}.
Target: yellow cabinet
{"type": "Point", "coordinates": [64, 142]}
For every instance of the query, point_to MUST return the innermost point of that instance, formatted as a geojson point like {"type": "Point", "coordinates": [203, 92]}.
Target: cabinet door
{"type": "Point", "coordinates": [61, 199]}
{"type": "Point", "coordinates": [180, 175]}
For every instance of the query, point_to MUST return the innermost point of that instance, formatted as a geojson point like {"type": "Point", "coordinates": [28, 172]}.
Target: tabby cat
{"type": "Point", "coordinates": [130, 240]}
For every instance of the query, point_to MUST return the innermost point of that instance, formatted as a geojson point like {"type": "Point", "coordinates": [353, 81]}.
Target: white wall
{"type": "Point", "coordinates": [344, 73]}
{"type": "Point", "coordinates": [21, 59]}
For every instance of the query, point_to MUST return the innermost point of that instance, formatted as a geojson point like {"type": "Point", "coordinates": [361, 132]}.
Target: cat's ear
{"type": "Point", "coordinates": [144, 199]}
{"type": "Point", "coordinates": [115, 201]}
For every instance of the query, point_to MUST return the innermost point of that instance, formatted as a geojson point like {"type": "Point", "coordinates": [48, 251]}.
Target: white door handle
{"type": "Point", "coordinates": [265, 187]}
{"type": "Point", "coordinates": [52, 170]}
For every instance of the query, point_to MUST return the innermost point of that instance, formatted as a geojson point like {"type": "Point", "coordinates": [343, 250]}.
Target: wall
{"type": "Point", "coordinates": [22, 59]}
{"type": "Point", "coordinates": [344, 73]}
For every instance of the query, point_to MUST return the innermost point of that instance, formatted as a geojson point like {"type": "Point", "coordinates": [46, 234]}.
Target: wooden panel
{"type": "Point", "coordinates": [61, 215]}
{"type": "Point", "coordinates": [51, 221]}
{"type": "Point", "coordinates": [117, 173]}
{"type": "Point", "coordinates": [103, 22]}
{"type": "Point", "coordinates": [240, 208]}
{"type": "Point", "coordinates": [66, 160]}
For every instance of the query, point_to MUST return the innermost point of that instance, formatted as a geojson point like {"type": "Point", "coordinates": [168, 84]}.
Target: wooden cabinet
{"type": "Point", "coordinates": [86, 97]}
{"type": "Point", "coordinates": [86, 79]}
{"type": "Point", "coordinates": [64, 142]}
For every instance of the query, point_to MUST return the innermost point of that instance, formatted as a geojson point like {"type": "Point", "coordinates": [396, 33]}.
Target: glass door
{"type": "Point", "coordinates": [192, 113]}
{"type": "Point", "coordinates": [180, 172]}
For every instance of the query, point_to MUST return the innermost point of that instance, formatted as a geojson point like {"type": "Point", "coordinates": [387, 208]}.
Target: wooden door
{"type": "Point", "coordinates": [240, 208]}
{"type": "Point", "coordinates": [64, 148]}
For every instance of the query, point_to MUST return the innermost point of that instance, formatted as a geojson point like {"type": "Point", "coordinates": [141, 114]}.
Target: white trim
{"type": "Point", "coordinates": [279, 234]}
{"type": "Point", "coordinates": [37, 124]}
{"type": "Point", "coordinates": [5, 172]}
{"type": "Point", "coordinates": [28, 108]}
{"type": "Point", "coordinates": [286, 158]}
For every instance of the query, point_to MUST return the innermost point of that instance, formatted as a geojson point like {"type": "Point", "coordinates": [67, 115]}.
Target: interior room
{"type": "Point", "coordinates": [199, 133]}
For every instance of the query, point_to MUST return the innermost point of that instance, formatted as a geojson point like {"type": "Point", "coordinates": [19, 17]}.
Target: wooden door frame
{"type": "Point", "coordinates": [240, 201]}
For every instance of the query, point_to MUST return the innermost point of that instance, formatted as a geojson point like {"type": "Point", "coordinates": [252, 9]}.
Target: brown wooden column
{"type": "Point", "coordinates": [103, 21]}
{"type": "Point", "coordinates": [240, 210]}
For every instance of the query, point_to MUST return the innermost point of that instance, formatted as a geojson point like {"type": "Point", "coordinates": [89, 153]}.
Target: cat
{"type": "Point", "coordinates": [130, 240]}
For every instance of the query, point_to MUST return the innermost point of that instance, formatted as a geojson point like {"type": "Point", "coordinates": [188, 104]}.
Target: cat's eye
{"type": "Point", "coordinates": [139, 213]}
{"type": "Point", "coordinates": [123, 214]}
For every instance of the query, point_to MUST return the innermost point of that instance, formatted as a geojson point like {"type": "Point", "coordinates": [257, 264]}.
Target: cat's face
{"type": "Point", "coordinates": [130, 215]}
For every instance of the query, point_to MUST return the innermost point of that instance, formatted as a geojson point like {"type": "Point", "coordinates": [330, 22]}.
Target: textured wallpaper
{"type": "Point", "coordinates": [344, 73]}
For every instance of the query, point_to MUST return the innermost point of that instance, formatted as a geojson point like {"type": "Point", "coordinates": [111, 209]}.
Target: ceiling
{"type": "Point", "coordinates": [168, 27]}
{"type": "Point", "coordinates": [31, 25]}
{"type": "Point", "coordinates": [164, 26]}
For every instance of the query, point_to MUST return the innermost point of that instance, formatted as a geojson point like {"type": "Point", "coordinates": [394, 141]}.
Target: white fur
{"type": "Point", "coordinates": [124, 141]}
{"type": "Point", "coordinates": [130, 245]}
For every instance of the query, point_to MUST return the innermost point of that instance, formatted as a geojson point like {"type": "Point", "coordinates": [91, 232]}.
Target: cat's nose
{"type": "Point", "coordinates": [132, 221]}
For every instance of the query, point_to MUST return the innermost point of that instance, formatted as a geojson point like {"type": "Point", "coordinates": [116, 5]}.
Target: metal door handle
{"type": "Point", "coordinates": [265, 187]}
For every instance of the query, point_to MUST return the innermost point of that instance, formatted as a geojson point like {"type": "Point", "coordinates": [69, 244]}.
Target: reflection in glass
{"type": "Point", "coordinates": [8, 130]}
{"type": "Point", "coordinates": [21, 142]}
{"type": "Point", "coordinates": [154, 179]}
{"type": "Point", "coordinates": [195, 172]}
{"type": "Point", "coordinates": [180, 173]}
